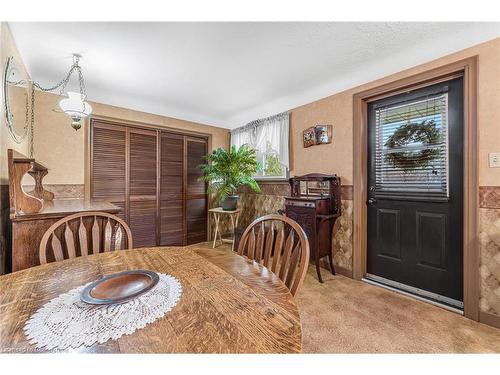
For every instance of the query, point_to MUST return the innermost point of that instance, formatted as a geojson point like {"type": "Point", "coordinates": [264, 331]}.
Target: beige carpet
{"type": "Point", "coordinates": [347, 316]}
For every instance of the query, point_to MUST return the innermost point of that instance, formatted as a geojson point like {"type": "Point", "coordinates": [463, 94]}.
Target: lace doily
{"type": "Point", "coordinates": [66, 322]}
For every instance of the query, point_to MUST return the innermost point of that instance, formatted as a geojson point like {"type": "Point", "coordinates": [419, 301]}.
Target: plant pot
{"type": "Point", "coordinates": [230, 203]}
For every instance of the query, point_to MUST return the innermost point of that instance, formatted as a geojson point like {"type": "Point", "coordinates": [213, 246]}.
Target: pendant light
{"type": "Point", "coordinates": [75, 107]}
{"type": "Point", "coordinates": [73, 104]}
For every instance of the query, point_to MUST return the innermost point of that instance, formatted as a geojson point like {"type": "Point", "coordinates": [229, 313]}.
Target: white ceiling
{"type": "Point", "coordinates": [227, 74]}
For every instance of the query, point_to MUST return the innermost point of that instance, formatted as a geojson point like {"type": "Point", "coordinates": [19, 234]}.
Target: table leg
{"type": "Point", "coordinates": [234, 224]}
{"type": "Point", "coordinates": [216, 218]}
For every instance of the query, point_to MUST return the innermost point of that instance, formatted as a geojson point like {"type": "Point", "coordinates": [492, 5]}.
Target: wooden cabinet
{"type": "Point", "coordinates": [154, 176]}
{"type": "Point", "coordinates": [315, 204]}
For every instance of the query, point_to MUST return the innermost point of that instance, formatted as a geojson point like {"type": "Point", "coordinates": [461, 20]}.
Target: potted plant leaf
{"type": "Point", "coordinates": [226, 170]}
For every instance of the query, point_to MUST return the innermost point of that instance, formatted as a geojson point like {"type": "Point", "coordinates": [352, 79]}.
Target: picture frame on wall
{"type": "Point", "coordinates": [323, 134]}
{"type": "Point", "coordinates": [309, 137]}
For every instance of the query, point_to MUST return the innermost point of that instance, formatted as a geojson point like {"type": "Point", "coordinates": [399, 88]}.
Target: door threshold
{"type": "Point", "coordinates": [419, 294]}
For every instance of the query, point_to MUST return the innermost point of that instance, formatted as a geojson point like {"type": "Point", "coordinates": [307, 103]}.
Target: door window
{"type": "Point", "coordinates": [412, 148]}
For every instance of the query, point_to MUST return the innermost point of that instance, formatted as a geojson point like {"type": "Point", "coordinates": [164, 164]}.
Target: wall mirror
{"type": "Point", "coordinates": [16, 96]}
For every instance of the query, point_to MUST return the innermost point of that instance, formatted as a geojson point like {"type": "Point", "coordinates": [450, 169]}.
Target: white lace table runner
{"type": "Point", "coordinates": [66, 321]}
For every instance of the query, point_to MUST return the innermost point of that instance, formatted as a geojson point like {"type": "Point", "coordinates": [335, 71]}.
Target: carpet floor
{"type": "Point", "coordinates": [348, 316]}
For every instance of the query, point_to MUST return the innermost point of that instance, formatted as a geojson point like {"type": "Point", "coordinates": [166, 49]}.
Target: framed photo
{"type": "Point", "coordinates": [309, 137]}
{"type": "Point", "coordinates": [323, 134]}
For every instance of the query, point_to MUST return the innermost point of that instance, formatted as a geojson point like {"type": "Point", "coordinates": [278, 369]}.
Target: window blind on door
{"type": "Point", "coordinates": [412, 147]}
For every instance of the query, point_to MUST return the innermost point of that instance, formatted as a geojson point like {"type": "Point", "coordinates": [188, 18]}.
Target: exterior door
{"type": "Point", "coordinates": [415, 191]}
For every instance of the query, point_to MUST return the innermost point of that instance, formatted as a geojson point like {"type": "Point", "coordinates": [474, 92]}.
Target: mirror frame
{"type": "Point", "coordinates": [18, 138]}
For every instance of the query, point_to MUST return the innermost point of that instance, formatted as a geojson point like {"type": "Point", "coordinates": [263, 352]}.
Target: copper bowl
{"type": "Point", "coordinates": [119, 287]}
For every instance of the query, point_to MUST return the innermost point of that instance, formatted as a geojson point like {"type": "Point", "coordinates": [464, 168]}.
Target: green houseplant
{"type": "Point", "coordinates": [226, 170]}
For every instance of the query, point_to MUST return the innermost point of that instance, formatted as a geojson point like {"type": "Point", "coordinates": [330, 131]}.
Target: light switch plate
{"type": "Point", "coordinates": [494, 159]}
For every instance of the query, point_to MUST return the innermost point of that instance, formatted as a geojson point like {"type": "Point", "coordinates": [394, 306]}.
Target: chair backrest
{"type": "Point", "coordinates": [82, 234]}
{"type": "Point", "coordinates": [282, 247]}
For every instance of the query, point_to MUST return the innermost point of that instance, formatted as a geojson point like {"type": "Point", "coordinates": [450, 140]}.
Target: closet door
{"type": "Point", "coordinates": [172, 190]}
{"type": "Point", "coordinates": [196, 199]}
{"type": "Point", "coordinates": [108, 164]}
{"type": "Point", "coordinates": [142, 210]}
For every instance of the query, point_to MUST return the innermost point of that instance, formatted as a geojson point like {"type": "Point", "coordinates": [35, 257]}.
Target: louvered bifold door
{"type": "Point", "coordinates": [142, 186]}
{"type": "Point", "coordinates": [172, 190]}
{"type": "Point", "coordinates": [108, 164]}
{"type": "Point", "coordinates": [196, 199]}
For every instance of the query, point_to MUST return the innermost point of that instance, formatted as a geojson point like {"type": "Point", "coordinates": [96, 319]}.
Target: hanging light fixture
{"type": "Point", "coordinates": [74, 103]}
{"type": "Point", "coordinates": [75, 107]}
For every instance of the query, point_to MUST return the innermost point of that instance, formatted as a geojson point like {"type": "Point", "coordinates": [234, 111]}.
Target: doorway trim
{"type": "Point", "coordinates": [468, 69]}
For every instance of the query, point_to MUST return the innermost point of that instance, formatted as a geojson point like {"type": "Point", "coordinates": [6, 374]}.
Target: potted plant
{"type": "Point", "coordinates": [225, 171]}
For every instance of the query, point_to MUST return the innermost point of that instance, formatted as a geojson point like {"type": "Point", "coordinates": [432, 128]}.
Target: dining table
{"type": "Point", "coordinates": [229, 304]}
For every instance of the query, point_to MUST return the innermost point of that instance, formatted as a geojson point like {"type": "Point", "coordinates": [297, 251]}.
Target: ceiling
{"type": "Point", "coordinates": [227, 73]}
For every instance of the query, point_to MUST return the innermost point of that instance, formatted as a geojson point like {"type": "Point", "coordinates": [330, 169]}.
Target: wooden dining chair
{"type": "Point", "coordinates": [282, 247]}
{"type": "Point", "coordinates": [82, 234]}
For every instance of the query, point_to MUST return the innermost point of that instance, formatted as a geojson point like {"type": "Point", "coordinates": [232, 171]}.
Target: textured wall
{"type": "Point", "coordinates": [489, 236]}
{"type": "Point", "coordinates": [7, 48]}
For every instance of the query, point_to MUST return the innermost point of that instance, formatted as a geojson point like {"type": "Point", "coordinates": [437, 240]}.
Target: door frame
{"type": "Point", "coordinates": [468, 68]}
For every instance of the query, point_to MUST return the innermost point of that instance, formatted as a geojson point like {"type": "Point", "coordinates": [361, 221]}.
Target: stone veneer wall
{"type": "Point", "coordinates": [272, 198]}
{"type": "Point", "coordinates": [489, 237]}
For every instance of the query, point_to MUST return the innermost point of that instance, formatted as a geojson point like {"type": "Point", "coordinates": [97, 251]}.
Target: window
{"type": "Point", "coordinates": [412, 147]}
{"type": "Point", "coordinates": [269, 137]}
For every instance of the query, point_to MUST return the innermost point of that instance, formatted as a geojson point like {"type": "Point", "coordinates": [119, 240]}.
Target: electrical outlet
{"type": "Point", "coordinates": [494, 159]}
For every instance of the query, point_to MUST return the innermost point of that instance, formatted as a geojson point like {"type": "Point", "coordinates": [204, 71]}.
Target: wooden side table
{"type": "Point", "coordinates": [233, 215]}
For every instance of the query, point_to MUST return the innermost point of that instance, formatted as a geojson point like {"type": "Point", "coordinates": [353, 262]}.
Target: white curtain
{"type": "Point", "coordinates": [271, 132]}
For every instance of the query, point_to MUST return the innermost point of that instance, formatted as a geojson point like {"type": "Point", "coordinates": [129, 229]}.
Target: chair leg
{"type": "Point", "coordinates": [330, 259]}
{"type": "Point", "coordinates": [318, 271]}
{"type": "Point", "coordinates": [316, 260]}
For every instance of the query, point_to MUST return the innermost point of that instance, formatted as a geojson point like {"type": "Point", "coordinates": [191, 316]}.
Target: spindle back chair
{"type": "Point", "coordinates": [82, 234]}
{"type": "Point", "coordinates": [282, 247]}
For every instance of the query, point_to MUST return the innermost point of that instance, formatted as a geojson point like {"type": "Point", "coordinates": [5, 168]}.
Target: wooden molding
{"type": "Point", "coordinates": [469, 69]}
{"type": "Point", "coordinates": [489, 319]}
{"type": "Point", "coordinates": [338, 269]}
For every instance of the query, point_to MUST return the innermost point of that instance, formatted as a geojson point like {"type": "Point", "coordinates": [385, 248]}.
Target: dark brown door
{"type": "Point", "coordinates": [142, 187]}
{"type": "Point", "coordinates": [108, 165]}
{"type": "Point", "coordinates": [154, 176]}
{"type": "Point", "coordinates": [415, 191]}
{"type": "Point", "coordinates": [172, 190]}
{"type": "Point", "coordinates": [196, 202]}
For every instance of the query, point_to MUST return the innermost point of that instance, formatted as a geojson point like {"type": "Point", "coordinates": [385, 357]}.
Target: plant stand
{"type": "Point", "coordinates": [234, 217]}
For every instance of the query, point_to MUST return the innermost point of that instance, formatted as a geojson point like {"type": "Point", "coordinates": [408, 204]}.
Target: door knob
{"type": "Point", "coordinates": [372, 201]}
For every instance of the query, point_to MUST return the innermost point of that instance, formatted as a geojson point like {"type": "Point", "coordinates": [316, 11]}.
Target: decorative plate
{"type": "Point", "coordinates": [119, 287]}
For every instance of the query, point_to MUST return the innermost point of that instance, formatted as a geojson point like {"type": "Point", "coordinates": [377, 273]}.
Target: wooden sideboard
{"type": "Point", "coordinates": [28, 229]}
{"type": "Point", "coordinates": [33, 212]}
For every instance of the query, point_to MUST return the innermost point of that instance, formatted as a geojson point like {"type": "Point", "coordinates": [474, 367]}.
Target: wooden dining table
{"type": "Point", "coordinates": [228, 304]}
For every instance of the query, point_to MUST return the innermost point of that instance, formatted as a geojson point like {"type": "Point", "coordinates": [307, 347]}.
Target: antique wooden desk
{"type": "Point", "coordinates": [315, 204]}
